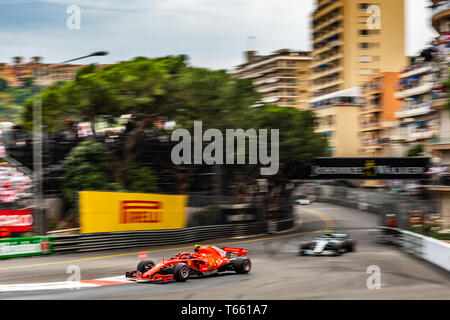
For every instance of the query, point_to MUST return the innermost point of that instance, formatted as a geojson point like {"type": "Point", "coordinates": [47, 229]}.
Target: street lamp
{"type": "Point", "coordinates": [39, 213]}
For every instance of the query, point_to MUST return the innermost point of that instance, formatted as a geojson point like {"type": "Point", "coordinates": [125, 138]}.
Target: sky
{"type": "Point", "coordinates": [213, 33]}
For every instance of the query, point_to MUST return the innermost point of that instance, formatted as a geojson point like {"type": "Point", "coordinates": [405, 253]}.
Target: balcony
{"type": "Point", "coordinates": [370, 109]}
{"type": "Point", "coordinates": [421, 135]}
{"type": "Point", "coordinates": [327, 84]}
{"type": "Point", "coordinates": [440, 141]}
{"type": "Point", "coordinates": [371, 126]}
{"type": "Point", "coordinates": [275, 86]}
{"type": "Point", "coordinates": [417, 110]}
{"type": "Point", "coordinates": [413, 71]}
{"type": "Point", "coordinates": [440, 13]}
{"type": "Point", "coordinates": [421, 89]}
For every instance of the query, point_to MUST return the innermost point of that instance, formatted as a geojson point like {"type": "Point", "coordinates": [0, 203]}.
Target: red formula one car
{"type": "Point", "coordinates": [205, 261]}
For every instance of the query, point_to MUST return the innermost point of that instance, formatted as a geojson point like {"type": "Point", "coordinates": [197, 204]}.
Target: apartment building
{"type": "Point", "coordinates": [377, 115]}
{"type": "Point", "coordinates": [337, 118]}
{"type": "Point", "coordinates": [353, 39]}
{"type": "Point", "coordinates": [281, 77]}
{"type": "Point", "coordinates": [441, 15]}
{"type": "Point", "coordinates": [44, 74]}
{"type": "Point", "coordinates": [419, 121]}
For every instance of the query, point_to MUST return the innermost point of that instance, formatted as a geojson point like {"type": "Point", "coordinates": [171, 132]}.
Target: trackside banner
{"type": "Point", "coordinates": [16, 220]}
{"type": "Point", "coordinates": [118, 211]}
{"type": "Point", "coordinates": [24, 247]}
{"type": "Point", "coordinates": [370, 168]}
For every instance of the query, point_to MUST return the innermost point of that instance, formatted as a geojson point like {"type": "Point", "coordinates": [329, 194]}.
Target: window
{"type": "Point", "coordinates": [363, 6]}
{"type": "Point", "coordinates": [364, 72]}
{"type": "Point", "coordinates": [365, 58]}
{"type": "Point", "coordinates": [364, 45]}
{"type": "Point", "coordinates": [364, 32]}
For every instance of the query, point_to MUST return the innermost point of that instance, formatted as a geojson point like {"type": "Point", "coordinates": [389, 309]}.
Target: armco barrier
{"type": "Point", "coordinates": [432, 250]}
{"type": "Point", "coordinates": [120, 240]}
{"type": "Point", "coordinates": [24, 247]}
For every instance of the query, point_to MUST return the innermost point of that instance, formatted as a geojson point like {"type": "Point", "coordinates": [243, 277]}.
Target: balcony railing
{"type": "Point", "coordinates": [441, 137]}
{"type": "Point", "coordinates": [420, 89]}
{"type": "Point", "coordinates": [417, 110]}
{"type": "Point", "coordinates": [441, 8]}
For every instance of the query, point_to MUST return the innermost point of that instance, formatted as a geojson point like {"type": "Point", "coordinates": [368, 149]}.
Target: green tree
{"type": "Point", "coordinates": [3, 84]}
{"type": "Point", "coordinates": [416, 151]}
{"type": "Point", "coordinates": [299, 144]}
{"type": "Point", "coordinates": [140, 179]}
{"type": "Point", "coordinates": [87, 167]}
{"type": "Point", "coordinates": [167, 88]}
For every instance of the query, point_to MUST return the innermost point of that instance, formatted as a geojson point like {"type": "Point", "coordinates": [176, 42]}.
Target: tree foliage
{"type": "Point", "coordinates": [140, 179]}
{"type": "Point", "coordinates": [416, 151]}
{"type": "Point", "coordinates": [87, 167]}
{"type": "Point", "coordinates": [167, 88]}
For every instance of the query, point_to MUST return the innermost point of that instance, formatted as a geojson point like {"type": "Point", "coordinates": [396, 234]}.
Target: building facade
{"type": "Point", "coordinates": [377, 115]}
{"type": "Point", "coordinates": [353, 39]}
{"type": "Point", "coordinates": [281, 77]}
{"type": "Point", "coordinates": [441, 16]}
{"type": "Point", "coordinates": [43, 74]}
{"type": "Point", "coordinates": [337, 118]}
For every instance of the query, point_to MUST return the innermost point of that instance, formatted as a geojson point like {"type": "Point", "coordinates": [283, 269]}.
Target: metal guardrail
{"type": "Point", "coordinates": [120, 240]}
{"type": "Point", "coordinates": [432, 250]}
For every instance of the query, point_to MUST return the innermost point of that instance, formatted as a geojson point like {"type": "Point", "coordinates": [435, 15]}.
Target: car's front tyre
{"type": "Point", "coordinates": [145, 265]}
{"type": "Point", "coordinates": [181, 272]}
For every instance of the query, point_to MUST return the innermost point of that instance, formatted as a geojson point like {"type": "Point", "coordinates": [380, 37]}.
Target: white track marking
{"type": "Point", "coordinates": [65, 284]}
{"type": "Point", "coordinates": [45, 286]}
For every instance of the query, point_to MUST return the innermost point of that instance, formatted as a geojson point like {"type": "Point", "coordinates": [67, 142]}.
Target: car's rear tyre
{"type": "Point", "coordinates": [338, 248]}
{"type": "Point", "coordinates": [301, 248]}
{"type": "Point", "coordinates": [352, 246]}
{"type": "Point", "coordinates": [145, 265]}
{"type": "Point", "coordinates": [181, 272]}
{"type": "Point", "coordinates": [242, 265]}
{"type": "Point", "coordinates": [305, 245]}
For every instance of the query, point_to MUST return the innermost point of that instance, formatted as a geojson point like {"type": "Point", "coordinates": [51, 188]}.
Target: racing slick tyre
{"type": "Point", "coordinates": [145, 265]}
{"type": "Point", "coordinates": [338, 249]}
{"type": "Point", "coordinates": [181, 272]}
{"type": "Point", "coordinates": [351, 246]}
{"type": "Point", "coordinates": [302, 247]}
{"type": "Point", "coordinates": [242, 265]}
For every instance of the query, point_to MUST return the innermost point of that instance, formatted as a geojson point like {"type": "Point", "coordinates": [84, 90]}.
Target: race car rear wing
{"type": "Point", "coordinates": [240, 252]}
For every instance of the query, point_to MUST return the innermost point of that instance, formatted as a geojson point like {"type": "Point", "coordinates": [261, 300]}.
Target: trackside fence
{"type": "Point", "coordinates": [119, 240]}
{"type": "Point", "coordinates": [432, 250]}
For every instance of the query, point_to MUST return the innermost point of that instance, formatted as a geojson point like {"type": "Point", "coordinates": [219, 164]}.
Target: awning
{"type": "Point", "coordinates": [351, 92]}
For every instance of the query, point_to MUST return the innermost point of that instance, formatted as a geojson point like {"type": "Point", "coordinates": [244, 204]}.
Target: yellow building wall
{"type": "Point", "coordinates": [344, 138]}
{"type": "Point", "coordinates": [389, 55]}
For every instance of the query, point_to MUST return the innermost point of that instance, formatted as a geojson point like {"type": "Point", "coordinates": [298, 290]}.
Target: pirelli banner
{"type": "Point", "coordinates": [413, 168]}
{"type": "Point", "coordinates": [117, 211]}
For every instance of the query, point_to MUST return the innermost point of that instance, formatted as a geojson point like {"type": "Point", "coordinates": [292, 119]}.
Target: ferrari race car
{"type": "Point", "coordinates": [205, 261]}
{"type": "Point", "coordinates": [333, 244]}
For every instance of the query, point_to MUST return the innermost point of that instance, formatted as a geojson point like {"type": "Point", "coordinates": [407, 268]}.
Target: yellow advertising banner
{"type": "Point", "coordinates": [117, 211]}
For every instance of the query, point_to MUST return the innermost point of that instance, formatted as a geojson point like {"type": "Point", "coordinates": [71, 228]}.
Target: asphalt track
{"type": "Point", "coordinates": [277, 271]}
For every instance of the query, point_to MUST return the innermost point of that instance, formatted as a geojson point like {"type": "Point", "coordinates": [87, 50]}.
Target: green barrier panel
{"type": "Point", "coordinates": [24, 247]}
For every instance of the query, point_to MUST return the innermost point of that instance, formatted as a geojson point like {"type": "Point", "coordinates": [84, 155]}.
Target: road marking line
{"type": "Point", "coordinates": [104, 282]}
{"type": "Point", "coordinates": [45, 286]}
{"type": "Point", "coordinates": [324, 217]}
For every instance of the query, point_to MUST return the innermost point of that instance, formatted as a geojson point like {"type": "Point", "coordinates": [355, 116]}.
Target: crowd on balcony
{"type": "Point", "coordinates": [14, 184]}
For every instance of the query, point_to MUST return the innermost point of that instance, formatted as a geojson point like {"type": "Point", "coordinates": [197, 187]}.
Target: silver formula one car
{"type": "Point", "coordinates": [331, 244]}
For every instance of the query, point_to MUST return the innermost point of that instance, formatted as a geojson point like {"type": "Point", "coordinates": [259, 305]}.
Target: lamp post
{"type": "Point", "coordinates": [40, 221]}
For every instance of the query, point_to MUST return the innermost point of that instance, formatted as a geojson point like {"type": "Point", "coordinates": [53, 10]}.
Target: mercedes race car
{"type": "Point", "coordinates": [333, 244]}
{"type": "Point", "coordinates": [205, 261]}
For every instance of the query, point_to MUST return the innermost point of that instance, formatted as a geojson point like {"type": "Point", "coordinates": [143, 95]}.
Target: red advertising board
{"type": "Point", "coordinates": [16, 220]}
